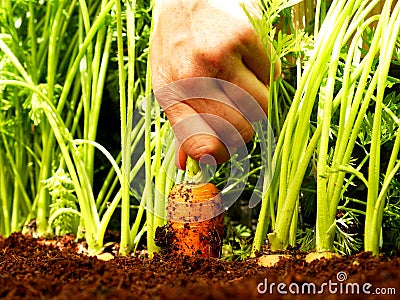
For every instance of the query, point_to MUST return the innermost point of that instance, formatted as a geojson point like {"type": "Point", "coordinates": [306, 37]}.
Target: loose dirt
{"type": "Point", "coordinates": [37, 269]}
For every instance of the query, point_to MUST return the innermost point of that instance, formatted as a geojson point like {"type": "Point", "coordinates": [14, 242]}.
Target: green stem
{"type": "Point", "coordinates": [279, 238]}
{"type": "Point", "coordinates": [5, 223]}
{"type": "Point", "coordinates": [163, 181]}
{"type": "Point", "coordinates": [297, 129]}
{"type": "Point", "coordinates": [146, 159]}
{"type": "Point", "coordinates": [375, 201]}
{"type": "Point", "coordinates": [192, 169]}
{"type": "Point", "coordinates": [54, 42]}
{"type": "Point", "coordinates": [74, 164]}
{"type": "Point", "coordinates": [268, 200]}
{"type": "Point", "coordinates": [351, 115]}
{"type": "Point", "coordinates": [125, 138]}
{"type": "Point", "coordinates": [107, 187]}
{"type": "Point", "coordinates": [148, 190]}
{"type": "Point", "coordinates": [33, 40]}
{"type": "Point", "coordinates": [324, 242]}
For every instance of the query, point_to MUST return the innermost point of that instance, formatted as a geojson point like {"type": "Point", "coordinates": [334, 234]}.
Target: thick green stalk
{"type": "Point", "coordinates": [73, 41]}
{"type": "Point", "coordinates": [42, 207]}
{"type": "Point", "coordinates": [267, 144]}
{"type": "Point", "coordinates": [149, 193]}
{"type": "Point", "coordinates": [324, 242]}
{"type": "Point", "coordinates": [263, 218]}
{"type": "Point", "coordinates": [364, 8]}
{"type": "Point", "coordinates": [352, 114]}
{"type": "Point", "coordinates": [19, 184]}
{"type": "Point", "coordinates": [43, 47]}
{"type": "Point", "coordinates": [145, 201]}
{"type": "Point", "coordinates": [54, 44]}
{"type": "Point", "coordinates": [34, 71]}
{"type": "Point", "coordinates": [74, 164]}
{"type": "Point", "coordinates": [349, 110]}
{"type": "Point", "coordinates": [101, 59]}
{"type": "Point", "coordinates": [54, 40]}
{"type": "Point", "coordinates": [279, 238]}
{"type": "Point", "coordinates": [320, 14]}
{"type": "Point", "coordinates": [163, 180]}
{"type": "Point", "coordinates": [76, 170]}
{"type": "Point", "coordinates": [70, 78]}
{"type": "Point", "coordinates": [85, 75]}
{"type": "Point", "coordinates": [101, 228]}
{"type": "Point", "coordinates": [148, 190]}
{"type": "Point", "coordinates": [160, 180]}
{"type": "Point", "coordinates": [340, 176]}
{"type": "Point", "coordinates": [125, 138]}
{"type": "Point", "coordinates": [18, 152]}
{"type": "Point", "coordinates": [375, 204]}
{"type": "Point", "coordinates": [5, 223]}
{"type": "Point", "coordinates": [293, 226]}
{"type": "Point", "coordinates": [297, 128]}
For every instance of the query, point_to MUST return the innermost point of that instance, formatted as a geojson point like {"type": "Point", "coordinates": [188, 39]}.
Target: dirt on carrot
{"type": "Point", "coordinates": [195, 223]}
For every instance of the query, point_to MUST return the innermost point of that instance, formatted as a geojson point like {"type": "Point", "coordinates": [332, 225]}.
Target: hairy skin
{"type": "Point", "coordinates": [215, 39]}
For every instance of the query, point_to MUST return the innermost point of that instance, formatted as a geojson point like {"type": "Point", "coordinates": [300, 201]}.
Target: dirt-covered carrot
{"type": "Point", "coordinates": [195, 220]}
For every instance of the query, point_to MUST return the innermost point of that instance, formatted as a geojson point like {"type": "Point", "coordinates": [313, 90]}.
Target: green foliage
{"type": "Point", "coordinates": [391, 219]}
{"type": "Point", "coordinates": [64, 214]}
{"type": "Point", "coordinates": [55, 60]}
{"type": "Point", "coordinates": [339, 102]}
{"type": "Point", "coordinates": [347, 239]}
{"type": "Point", "coordinates": [237, 242]}
{"type": "Point", "coordinates": [306, 239]}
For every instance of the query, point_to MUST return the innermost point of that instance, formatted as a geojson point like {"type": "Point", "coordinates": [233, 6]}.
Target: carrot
{"type": "Point", "coordinates": [195, 220]}
{"type": "Point", "coordinates": [193, 202]}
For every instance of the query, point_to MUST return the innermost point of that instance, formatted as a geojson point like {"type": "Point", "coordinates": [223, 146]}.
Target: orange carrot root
{"type": "Point", "coordinates": [188, 203]}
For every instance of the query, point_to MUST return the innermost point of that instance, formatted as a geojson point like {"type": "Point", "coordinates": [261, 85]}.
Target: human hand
{"type": "Point", "coordinates": [212, 39]}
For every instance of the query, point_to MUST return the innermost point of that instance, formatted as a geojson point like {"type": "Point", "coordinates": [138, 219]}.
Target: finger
{"type": "Point", "coordinates": [204, 155]}
{"type": "Point", "coordinates": [226, 120]}
{"type": "Point", "coordinates": [195, 137]}
{"type": "Point", "coordinates": [180, 156]}
{"type": "Point", "coordinates": [249, 107]}
{"type": "Point", "coordinates": [206, 97]}
{"type": "Point", "coordinates": [259, 92]}
{"type": "Point", "coordinates": [258, 59]}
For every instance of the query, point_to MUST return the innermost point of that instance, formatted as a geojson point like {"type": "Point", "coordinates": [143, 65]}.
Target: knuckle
{"type": "Point", "coordinates": [204, 150]}
{"type": "Point", "coordinates": [207, 146]}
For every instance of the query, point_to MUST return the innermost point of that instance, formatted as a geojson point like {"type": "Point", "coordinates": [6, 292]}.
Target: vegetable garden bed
{"type": "Point", "coordinates": [29, 269]}
{"type": "Point", "coordinates": [325, 169]}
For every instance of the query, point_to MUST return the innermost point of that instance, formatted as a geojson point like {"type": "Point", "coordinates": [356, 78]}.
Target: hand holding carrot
{"type": "Point", "coordinates": [214, 39]}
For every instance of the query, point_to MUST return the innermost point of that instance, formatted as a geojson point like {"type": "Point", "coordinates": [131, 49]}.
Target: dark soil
{"type": "Point", "coordinates": [31, 269]}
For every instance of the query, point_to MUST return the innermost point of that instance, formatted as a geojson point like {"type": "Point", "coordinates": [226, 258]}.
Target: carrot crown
{"type": "Point", "coordinates": [193, 171]}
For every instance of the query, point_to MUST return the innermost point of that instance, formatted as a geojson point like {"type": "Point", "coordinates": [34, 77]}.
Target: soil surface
{"type": "Point", "coordinates": [36, 269]}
